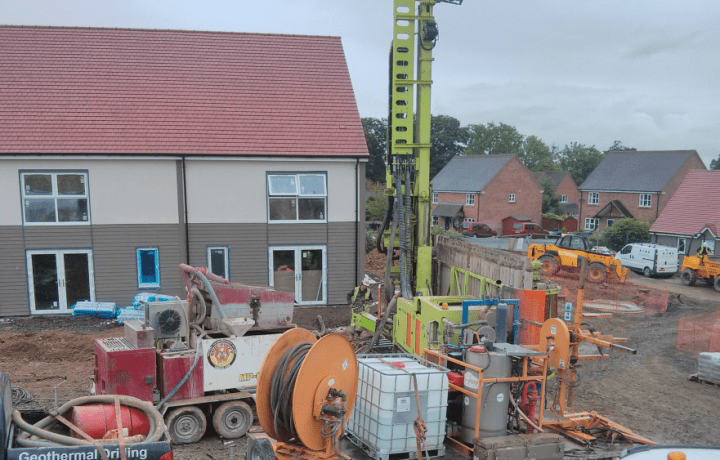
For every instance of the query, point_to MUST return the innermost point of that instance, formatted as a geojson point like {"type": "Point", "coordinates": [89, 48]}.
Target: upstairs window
{"type": "Point", "coordinates": [563, 199]}
{"type": "Point", "coordinates": [645, 200]}
{"type": "Point", "coordinates": [54, 198]}
{"type": "Point", "coordinates": [297, 198]}
{"type": "Point", "coordinates": [511, 198]}
{"type": "Point", "coordinates": [435, 198]}
{"type": "Point", "coordinates": [469, 199]}
{"type": "Point", "coordinates": [594, 198]}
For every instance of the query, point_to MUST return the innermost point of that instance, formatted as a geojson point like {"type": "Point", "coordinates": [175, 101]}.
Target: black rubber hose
{"type": "Point", "coordinates": [386, 221]}
{"type": "Point", "coordinates": [282, 386]}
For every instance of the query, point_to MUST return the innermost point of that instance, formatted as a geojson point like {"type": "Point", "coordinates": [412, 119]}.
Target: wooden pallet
{"type": "Point", "coordinates": [696, 378]}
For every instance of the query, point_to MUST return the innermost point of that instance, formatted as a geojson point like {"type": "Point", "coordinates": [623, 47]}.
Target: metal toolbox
{"type": "Point", "coordinates": [536, 446]}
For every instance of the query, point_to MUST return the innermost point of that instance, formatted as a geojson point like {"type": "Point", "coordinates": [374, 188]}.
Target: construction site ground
{"type": "Point", "coordinates": [648, 392]}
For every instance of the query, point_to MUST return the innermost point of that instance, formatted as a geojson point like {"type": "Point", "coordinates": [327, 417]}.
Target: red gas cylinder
{"type": "Point", "coordinates": [98, 419]}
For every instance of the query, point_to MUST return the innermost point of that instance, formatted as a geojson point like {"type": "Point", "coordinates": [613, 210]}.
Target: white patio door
{"type": "Point", "coordinates": [300, 269]}
{"type": "Point", "coordinates": [58, 279]}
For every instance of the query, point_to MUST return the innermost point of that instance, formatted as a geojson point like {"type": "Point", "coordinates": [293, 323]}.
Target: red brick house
{"type": "Point", "coordinates": [487, 189]}
{"type": "Point", "coordinates": [633, 184]}
{"type": "Point", "coordinates": [694, 208]}
{"type": "Point", "coordinates": [565, 189]}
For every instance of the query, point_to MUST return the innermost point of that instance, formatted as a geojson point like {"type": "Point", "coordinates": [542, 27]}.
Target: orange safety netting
{"type": "Point", "coordinates": [612, 296]}
{"type": "Point", "coordinates": [698, 334]}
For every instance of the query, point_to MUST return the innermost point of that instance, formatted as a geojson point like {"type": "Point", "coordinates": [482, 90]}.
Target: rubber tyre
{"type": "Point", "coordinates": [261, 450]}
{"type": "Point", "coordinates": [716, 284]}
{"type": "Point", "coordinates": [647, 273]}
{"type": "Point", "coordinates": [186, 425]}
{"type": "Point", "coordinates": [549, 265]}
{"type": "Point", "coordinates": [688, 277]}
{"type": "Point", "coordinates": [232, 419]}
{"type": "Point", "coordinates": [596, 273]}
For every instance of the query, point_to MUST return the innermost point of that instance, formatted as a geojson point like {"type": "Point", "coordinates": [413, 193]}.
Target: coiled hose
{"type": "Point", "coordinates": [282, 385]}
{"type": "Point", "coordinates": [50, 439]}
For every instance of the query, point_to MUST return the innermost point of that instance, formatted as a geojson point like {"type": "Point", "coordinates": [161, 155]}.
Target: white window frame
{"type": "Point", "coordinates": [511, 198]}
{"type": "Point", "coordinates": [435, 221]}
{"type": "Point", "coordinates": [469, 199]}
{"type": "Point", "coordinates": [154, 285]}
{"type": "Point", "coordinates": [563, 198]}
{"type": "Point", "coordinates": [682, 245]}
{"type": "Point", "coordinates": [435, 198]}
{"type": "Point", "coordinates": [594, 198]}
{"type": "Point", "coordinates": [591, 221]}
{"type": "Point", "coordinates": [645, 200]}
{"type": "Point", "coordinates": [297, 195]}
{"type": "Point", "coordinates": [63, 306]}
{"type": "Point", "coordinates": [54, 195]}
{"type": "Point", "coordinates": [226, 250]}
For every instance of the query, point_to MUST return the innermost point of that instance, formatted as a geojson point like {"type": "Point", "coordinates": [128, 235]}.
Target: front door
{"type": "Point", "coordinates": [58, 279]}
{"type": "Point", "coordinates": [301, 270]}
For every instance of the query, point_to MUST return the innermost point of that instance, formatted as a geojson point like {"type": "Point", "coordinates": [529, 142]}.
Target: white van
{"type": "Point", "coordinates": [649, 259]}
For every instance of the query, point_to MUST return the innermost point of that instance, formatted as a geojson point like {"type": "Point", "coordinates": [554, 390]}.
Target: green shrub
{"type": "Point", "coordinates": [626, 231]}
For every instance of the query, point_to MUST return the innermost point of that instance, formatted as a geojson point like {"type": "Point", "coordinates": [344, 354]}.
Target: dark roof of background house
{"type": "Point", "coordinates": [646, 171]}
{"type": "Point", "coordinates": [570, 208]}
{"type": "Point", "coordinates": [447, 209]}
{"type": "Point", "coordinates": [694, 206]}
{"type": "Point", "coordinates": [468, 173]}
{"type": "Point", "coordinates": [128, 91]}
{"type": "Point", "coordinates": [555, 176]}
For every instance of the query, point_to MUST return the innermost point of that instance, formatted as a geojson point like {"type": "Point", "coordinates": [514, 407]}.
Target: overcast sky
{"type": "Point", "coordinates": [642, 72]}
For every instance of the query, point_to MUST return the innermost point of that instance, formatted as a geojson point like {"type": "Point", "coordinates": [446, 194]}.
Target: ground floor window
{"type": "Point", "coordinates": [217, 261]}
{"type": "Point", "coordinates": [300, 269]}
{"type": "Point", "coordinates": [436, 219]}
{"type": "Point", "coordinates": [148, 266]}
{"type": "Point", "coordinates": [681, 245]}
{"type": "Point", "coordinates": [589, 223]}
{"type": "Point", "coordinates": [610, 222]}
{"type": "Point", "coordinates": [58, 279]}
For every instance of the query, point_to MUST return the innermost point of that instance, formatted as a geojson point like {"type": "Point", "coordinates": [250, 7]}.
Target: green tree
{"type": "Point", "coordinates": [626, 231]}
{"type": "Point", "coordinates": [448, 139]}
{"type": "Point", "coordinates": [618, 147]}
{"type": "Point", "coordinates": [550, 201]}
{"type": "Point", "coordinates": [715, 164]}
{"type": "Point", "coordinates": [535, 155]}
{"type": "Point", "coordinates": [375, 207]}
{"type": "Point", "coordinates": [579, 160]}
{"type": "Point", "coordinates": [376, 140]}
{"type": "Point", "coordinates": [492, 138]}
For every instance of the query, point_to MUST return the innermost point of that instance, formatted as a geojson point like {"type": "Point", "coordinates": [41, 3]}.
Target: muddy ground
{"type": "Point", "coordinates": [648, 392]}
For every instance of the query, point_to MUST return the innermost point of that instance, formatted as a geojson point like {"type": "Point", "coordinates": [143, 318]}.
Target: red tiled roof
{"type": "Point", "coordinates": [122, 91]}
{"type": "Point", "coordinates": [694, 206]}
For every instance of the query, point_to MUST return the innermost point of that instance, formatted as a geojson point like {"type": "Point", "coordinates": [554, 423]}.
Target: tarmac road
{"type": "Point", "coordinates": [700, 290]}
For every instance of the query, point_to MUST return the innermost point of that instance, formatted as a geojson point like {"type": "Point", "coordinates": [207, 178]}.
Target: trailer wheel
{"type": "Point", "coordinates": [596, 273]}
{"type": "Point", "coordinates": [186, 425]}
{"type": "Point", "coordinates": [716, 285]}
{"type": "Point", "coordinates": [232, 419]}
{"type": "Point", "coordinates": [549, 265]}
{"type": "Point", "coordinates": [261, 450]}
{"type": "Point", "coordinates": [688, 277]}
{"type": "Point", "coordinates": [647, 272]}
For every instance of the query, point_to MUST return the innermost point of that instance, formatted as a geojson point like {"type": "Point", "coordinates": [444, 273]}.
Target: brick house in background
{"type": "Point", "coordinates": [633, 184]}
{"type": "Point", "coordinates": [694, 208]}
{"type": "Point", "coordinates": [124, 153]}
{"type": "Point", "coordinates": [565, 189]}
{"type": "Point", "coordinates": [488, 188]}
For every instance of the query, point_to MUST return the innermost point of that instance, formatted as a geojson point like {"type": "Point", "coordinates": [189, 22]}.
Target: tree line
{"type": "Point", "coordinates": [450, 138]}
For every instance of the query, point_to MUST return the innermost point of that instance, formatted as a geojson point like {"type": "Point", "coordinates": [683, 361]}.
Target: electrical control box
{"type": "Point", "coordinates": [123, 369]}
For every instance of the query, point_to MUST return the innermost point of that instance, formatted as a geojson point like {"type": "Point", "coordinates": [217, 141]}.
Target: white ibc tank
{"type": "Point", "coordinates": [495, 396]}
{"type": "Point", "coordinates": [385, 408]}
